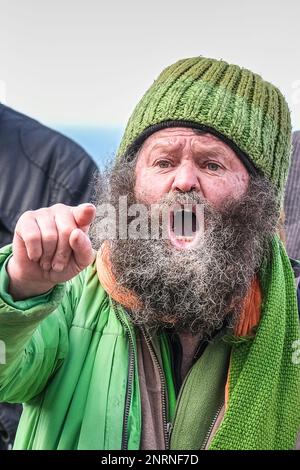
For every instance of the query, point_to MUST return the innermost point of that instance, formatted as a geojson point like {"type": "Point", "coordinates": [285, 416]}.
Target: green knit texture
{"type": "Point", "coordinates": [234, 101]}
{"type": "Point", "coordinates": [263, 410]}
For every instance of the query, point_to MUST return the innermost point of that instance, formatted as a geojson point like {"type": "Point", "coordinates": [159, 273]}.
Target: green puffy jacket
{"type": "Point", "coordinates": [71, 358]}
{"type": "Point", "coordinates": [71, 369]}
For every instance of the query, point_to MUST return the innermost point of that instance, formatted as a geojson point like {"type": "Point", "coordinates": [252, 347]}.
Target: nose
{"type": "Point", "coordinates": [186, 178]}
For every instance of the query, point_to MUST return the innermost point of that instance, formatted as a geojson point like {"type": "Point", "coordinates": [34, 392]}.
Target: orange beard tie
{"type": "Point", "coordinates": [107, 280]}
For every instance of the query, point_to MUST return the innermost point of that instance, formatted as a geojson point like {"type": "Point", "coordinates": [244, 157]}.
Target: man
{"type": "Point", "coordinates": [184, 341]}
{"type": "Point", "coordinates": [291, 202]}
{"type": "Point", "coordinates": [51, 168]}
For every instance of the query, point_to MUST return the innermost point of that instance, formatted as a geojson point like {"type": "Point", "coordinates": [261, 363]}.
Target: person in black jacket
{"type": "Point", "coordinates": [291, 202]}
{"type": "Point", "coordinates": [39, 167]}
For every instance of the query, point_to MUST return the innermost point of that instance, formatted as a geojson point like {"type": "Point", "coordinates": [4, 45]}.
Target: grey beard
{"type": "Point", "coordinates": [195, 290]}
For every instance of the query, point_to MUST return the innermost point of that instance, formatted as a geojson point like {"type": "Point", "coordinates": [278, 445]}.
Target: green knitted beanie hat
{"type": "Point", "coordinates": [235, 104]}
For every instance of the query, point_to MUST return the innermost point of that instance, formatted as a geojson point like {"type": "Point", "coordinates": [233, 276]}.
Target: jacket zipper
{"type": "Point", "coordinates": [124, 445]}
{"type": "Point", "coordinates": [203, 447]}
{"type": "Point", "coordinates": [167, 427]}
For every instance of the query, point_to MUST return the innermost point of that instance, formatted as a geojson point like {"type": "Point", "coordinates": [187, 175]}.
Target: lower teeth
{"type": "Point", "coordinates": [188, 239]}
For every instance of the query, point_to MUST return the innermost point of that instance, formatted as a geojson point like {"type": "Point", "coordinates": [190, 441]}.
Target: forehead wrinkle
{"type": "Point", "coordinates": [168, 143]}
{"type": "Point", "coordinates": [214, 150]}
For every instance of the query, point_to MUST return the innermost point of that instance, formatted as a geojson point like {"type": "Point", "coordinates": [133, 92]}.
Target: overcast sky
{"type": "Point", "coordinates": [87, 62]}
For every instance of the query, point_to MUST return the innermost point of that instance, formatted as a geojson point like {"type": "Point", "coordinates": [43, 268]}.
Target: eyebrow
{"type": "Point", "coordinates": [214, 150]}
{"type": "Point", "coordinates": [165, 145]}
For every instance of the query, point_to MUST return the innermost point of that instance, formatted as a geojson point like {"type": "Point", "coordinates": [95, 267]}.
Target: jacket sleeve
{"type": "Point", "coordinates": [82, 180]}
{"type": "Point", "coordinates": [76, 181]}
{"type": "Point", "coordinates": [33, 336]}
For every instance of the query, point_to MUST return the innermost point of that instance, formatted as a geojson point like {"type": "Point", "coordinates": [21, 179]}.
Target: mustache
{"type": "Point", "coordinates": [170, 198]}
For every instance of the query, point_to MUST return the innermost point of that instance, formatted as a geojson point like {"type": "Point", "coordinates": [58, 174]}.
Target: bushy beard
{"type": "Point", "coordinates": [200, 289]}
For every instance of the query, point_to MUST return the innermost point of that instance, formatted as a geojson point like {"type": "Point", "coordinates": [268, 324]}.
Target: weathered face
{"type": "Point", "coordinates": [181, 160]}
{"type": "Point", "coordinates": [186, 286]}
{"type": "Point", "coordinates": [178, 159]}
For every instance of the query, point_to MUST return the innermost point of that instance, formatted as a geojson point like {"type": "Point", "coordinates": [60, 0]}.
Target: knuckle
{"type": "Point", "coordinates": [62, 254]}
{"type": "Point", "coordinates": [65, 232]}
{"type": "Point", "coordinates": [23, 217]}
{"type": "Point", "coordinates": [41, 212]}
{"type": "Point", "coordinates": [58, 206]}
{"type": "Point", "coordinates": [49, 237]}
{"type": "Point", "coordinates": [27, 213]}
{"type": "Point", "coordinates": [32, 238]}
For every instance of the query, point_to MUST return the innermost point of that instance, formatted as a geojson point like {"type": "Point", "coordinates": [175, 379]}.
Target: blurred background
{"type": "Point", "coordinates": [81, 66]}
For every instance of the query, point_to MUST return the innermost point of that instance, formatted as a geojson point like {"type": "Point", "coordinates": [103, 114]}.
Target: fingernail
{"type": "Point", "coordinates": [46, 266]}
{"type": "Point", "coordinates": [58, 267]}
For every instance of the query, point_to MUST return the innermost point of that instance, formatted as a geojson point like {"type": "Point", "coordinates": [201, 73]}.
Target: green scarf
{"type": "Point", "coordinates": [263, 410]}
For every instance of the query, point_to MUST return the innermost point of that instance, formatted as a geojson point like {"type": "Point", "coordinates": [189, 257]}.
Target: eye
{"type": "Point", "coordinates": [163, 163]}
{"type": "Point", "coordinates": [212, 166]}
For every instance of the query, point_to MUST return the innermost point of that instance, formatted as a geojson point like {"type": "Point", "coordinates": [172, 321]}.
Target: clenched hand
{"type": "Point", "coordinates": [50, 246]}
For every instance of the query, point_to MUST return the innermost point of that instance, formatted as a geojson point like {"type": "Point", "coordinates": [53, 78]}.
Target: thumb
{"type": "Point", "coordinates": [84, 215]}
{"type": "Point", "coordinates": [82, 248]}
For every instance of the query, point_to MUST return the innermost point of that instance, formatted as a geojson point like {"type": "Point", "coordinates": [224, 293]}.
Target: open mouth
{"type": "Point", "coordinates": [184, 226]}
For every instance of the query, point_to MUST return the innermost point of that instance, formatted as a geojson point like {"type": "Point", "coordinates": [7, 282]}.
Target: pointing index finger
{"type": "Point", "coordinates": [84, 215]}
